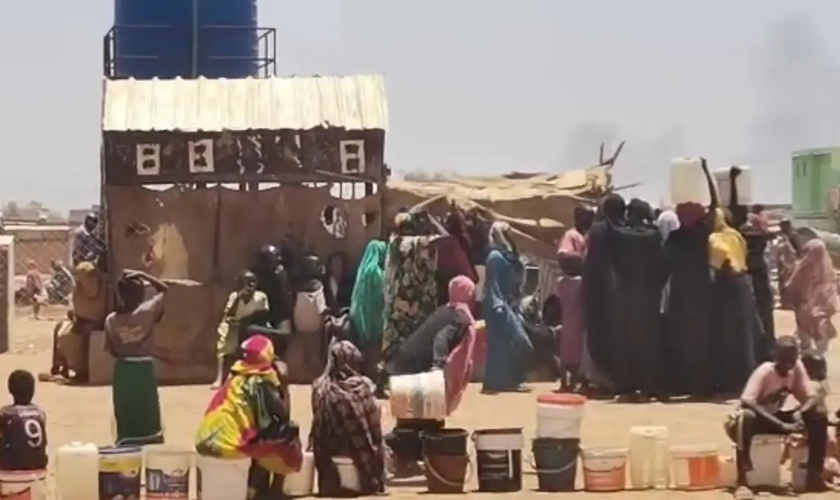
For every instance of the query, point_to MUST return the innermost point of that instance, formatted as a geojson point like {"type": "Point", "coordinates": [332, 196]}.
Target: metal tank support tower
{"type": "Point", "coordinates": [188, 39]}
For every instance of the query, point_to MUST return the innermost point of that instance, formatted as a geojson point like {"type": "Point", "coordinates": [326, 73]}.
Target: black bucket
{"type": "Point", "coordinates": [405, 441]}
{"type": "Point", "coordinates": [556, 463]}
{"type": "Point", "coordinates": [444, 442]}
{"type": "Point", "coordinates": [499, 459]}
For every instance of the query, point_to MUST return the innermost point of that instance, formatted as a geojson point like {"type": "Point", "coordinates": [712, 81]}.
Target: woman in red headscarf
{"type": "Point", "coordinates": [445, 341]}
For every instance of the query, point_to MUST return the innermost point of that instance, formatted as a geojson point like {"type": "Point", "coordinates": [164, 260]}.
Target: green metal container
{"type": "Point", "coordinates": [816, 188]}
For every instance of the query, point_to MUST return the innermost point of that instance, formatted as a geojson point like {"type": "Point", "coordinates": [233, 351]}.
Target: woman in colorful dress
{"type": "Point", "coordinates": [249, 417]}
{"type": "Point", "coordinates": [410, 281]}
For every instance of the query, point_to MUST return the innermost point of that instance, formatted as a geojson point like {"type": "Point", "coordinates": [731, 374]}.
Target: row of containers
{"type": "Point", "coordinates": [85, 471]}
{"type": "Point", "coordinates": [649, 461]}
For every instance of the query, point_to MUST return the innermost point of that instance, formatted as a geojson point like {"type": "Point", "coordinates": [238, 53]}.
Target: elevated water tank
{"type": "Point", "coordinates": [186, 38]}
{"type": "Point", "coordinates": [227, 38]}
{"type": "Point", "coordinates": [152, 38]}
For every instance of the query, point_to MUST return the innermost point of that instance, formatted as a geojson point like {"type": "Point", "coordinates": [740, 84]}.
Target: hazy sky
{"type": "Point", "coordinates": [479, 86]}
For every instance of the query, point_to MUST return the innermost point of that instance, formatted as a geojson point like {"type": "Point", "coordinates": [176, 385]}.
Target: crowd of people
{"type": "Point", "coordinates": [647, 305]}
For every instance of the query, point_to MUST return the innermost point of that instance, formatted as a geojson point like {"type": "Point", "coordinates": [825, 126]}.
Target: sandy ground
{"type": "Point", "coordinates": [84, 413]}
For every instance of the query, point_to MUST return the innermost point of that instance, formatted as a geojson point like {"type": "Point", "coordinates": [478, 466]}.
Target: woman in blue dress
{"type": "Point", "coordinates": [508, 346]}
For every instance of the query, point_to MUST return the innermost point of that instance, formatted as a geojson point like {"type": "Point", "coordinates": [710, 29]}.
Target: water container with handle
{"type": "Point", "coordinates": [688, 182]}
{"type": "Point", "coordinates": [743, 182]}
{"type": "Point", "coordinates": [649, 458]}
{"type": "Point", "coordinates": [77, 471]}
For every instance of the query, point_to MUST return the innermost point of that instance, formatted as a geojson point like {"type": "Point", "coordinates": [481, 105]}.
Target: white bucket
{"type": "Point", "coordinates": [23, 485]}
{"type": "Point", "coordinates": [766, 455]}
{"type": "Point", "coordinates": [501, 441]}
{"type": "Point", "coordinates": [604, 469]}
{"type": "Point", "coordinates": [559, 421]}
{"type": "Point", "coordinates": [695, 468]}
{"type": "Point", "coordinates": [221, 479]}
{"type": "Point", "coordinates": [167, 472]}
{"type": "Point", "coordinates": [799, 468]}
{"type": "Point", "coordinates": [301, 483]}
{"type": "Point", "coordinates": [347, 473]}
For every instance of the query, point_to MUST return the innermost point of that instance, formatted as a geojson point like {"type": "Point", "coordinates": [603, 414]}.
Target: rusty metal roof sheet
{"type": "Point", "coordinates": [353, 102]}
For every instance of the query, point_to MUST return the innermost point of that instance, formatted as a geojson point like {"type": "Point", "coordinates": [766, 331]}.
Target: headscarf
{"type": "Point", "coordinates": [367, 301]}
{"type": "Point", "coordinates": [459, 363]}
{"type": "Point", "coordinates": [613, 208]}
{"type": "Point", "coordinates": [813, 283]}
{"type": "Point", "coordinates": [639, 212]}
{"type": "Point", "coordinates": [345, 413]}
{"type": "Point", "coordinates": [726, 244]}
{"type": "Point", "coordinates": [500, 283]}
{"type": "Point", "coordinates": [257, 358]}
{"type": "Point", "coordinates": [462, 295]}
{"type": "Point", "coordinates": [239, 413]}
{"type": "Point", "coordinates": [499, 237]}
{"type": "Point", "coordinates": [668, 222]}
{"type": "Point", "coordinates": [690, 213]}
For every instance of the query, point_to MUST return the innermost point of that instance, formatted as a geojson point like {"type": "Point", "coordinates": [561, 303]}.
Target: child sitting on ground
{"type": "Point", "coordinates": [23, 427]}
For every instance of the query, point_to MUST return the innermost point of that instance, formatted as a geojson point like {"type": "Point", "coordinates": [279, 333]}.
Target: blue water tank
{"type": "Point", "coordinates": [227, 39]}
{"type": "Point", "coordinates": [153, 38]}
{"type": "Point", "coordinates": [157, 38]}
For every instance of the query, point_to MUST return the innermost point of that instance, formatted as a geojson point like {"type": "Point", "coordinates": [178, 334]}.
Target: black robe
{"type": "Point", "coordinates": [687, 360]}
{"type": "Point", "coordinates": [600, 294]}
{"type": "Point", "coordinates": [735, 330]}
{"type": "Point", "coordinates": [640, 270]}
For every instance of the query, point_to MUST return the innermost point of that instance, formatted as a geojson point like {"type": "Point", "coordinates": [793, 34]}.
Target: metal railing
{"type": "Point", "coordinates": [186, 65]}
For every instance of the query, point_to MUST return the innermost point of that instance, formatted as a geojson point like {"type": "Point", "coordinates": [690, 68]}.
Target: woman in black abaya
{"type": "Point", "coordinates": [640, 271]}
{"type": "Point", "coordinates": [687, 362]}
{"type": "Point", "coordinates": [600, 294]}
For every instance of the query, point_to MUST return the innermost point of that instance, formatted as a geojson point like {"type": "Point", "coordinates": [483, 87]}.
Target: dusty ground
{"type": "Point", "coordinates": [84, 413]}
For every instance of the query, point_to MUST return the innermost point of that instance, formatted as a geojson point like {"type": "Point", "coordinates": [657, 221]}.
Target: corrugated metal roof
{"type": "Point", "coordinates": [353, 102]}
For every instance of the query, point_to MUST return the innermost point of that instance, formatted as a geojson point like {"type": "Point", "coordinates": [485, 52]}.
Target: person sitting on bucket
{"type": "Point", "coordinates": [23, 427]}
{"type": "Point", "coordinates": [761, 412]}
{"type": "Point", "coordinates": [249, 417]}
{"type": "Point", "coordinates": [346, 422]}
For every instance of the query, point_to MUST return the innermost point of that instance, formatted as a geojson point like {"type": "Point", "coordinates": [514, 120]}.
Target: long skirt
{"type": "Point", "coordinates": [508, 350]}
{"type": "Point", "coordinates": [736, 330]}
{"type": "Point", "coordinates": [136, 402]}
